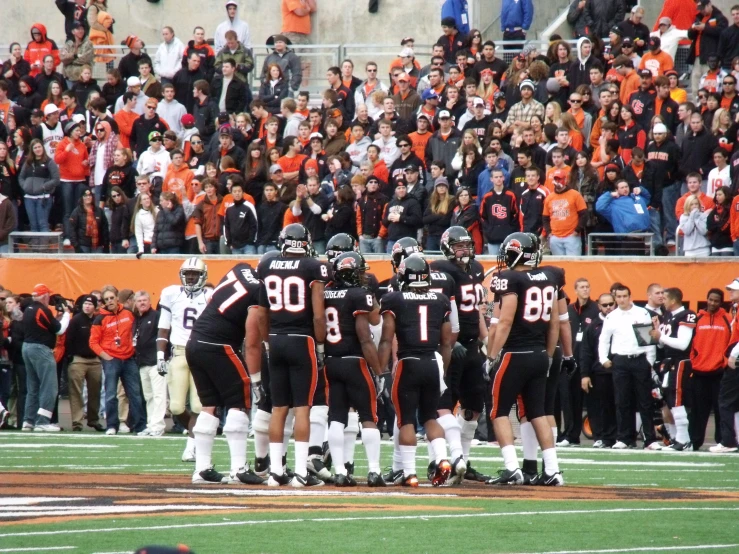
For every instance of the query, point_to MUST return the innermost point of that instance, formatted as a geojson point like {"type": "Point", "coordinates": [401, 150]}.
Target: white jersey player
{"type": "Point", "coordinates": [180, 306]}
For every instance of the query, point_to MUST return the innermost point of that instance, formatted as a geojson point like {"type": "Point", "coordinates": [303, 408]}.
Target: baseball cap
{"type": "Point", "coordinates": [188, 119]}
{"type": "Point", "coordinates": [704, 2]}
{"type": "Point", "coordinates": [274, 168]}
{"type": "Point", "coordinates": [232, 3]}
{"type": "Point", "coordinates": [659, 128]}
{"type": "Point", "coordinates": [133, 82]}
{"type": "Point", "coordinates": [50, 109]}
{"type": "Point", "coordinates": [444, 114]}
{"type": "Point", "coordinates": [559, 175]}
{"type": "Point", "coordinates": [406, 52]}
{"type": "Point", "coordinates": [318, 136]}
{"type": "Point", "coordinates": [441, 181]}
{"type": "Point", "coordinates": [403, 77]}
{"type": "Point", "coordinates": [223, 117]}
{"type": "Point", "coordinates": [78, 118]}
{"type": "Point", "coordinates": [654, 42]}
{"type": "Point", "coordinates": [170, 134]}
{"type": "Point", "coordinates": [224, 130]}
{"type": "Point", "coordinates": [734, 285]}
{"type": "Point", "coordinates": [423, 116]}
{"type": "Point", "coordinates": [154, 135]}
{"type": "Point", "coordinates": [406, 40]}
{"type": "Point", "coordinates": [478, 101]}
{"type": "Point", "coordinates": [498, 95]}
{"type": "Point", "coordinates": [628, 42]}
{"type": "Point", "coordinates": [429, 94]}
{"type": "Point", "coordinates": [411, 167]}
{"type": "Point", "coordinates": [665, 21]}
{"type": "Point", "coordinates": [645, 73]}
{"type": "Point", "coordinates": [527, 83]}
{"type": "Point", "coordinates": [37, 113]}
{"type": "Point", "coordinates": [615, 30]}
{"type": "Point", "coordinates": [152, 101]}
{"type": "Point", "coordinates": [41, 289]}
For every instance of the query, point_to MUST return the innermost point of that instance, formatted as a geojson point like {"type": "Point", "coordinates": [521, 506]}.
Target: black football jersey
{"type": "Point", "coordinates": [556, 274]}
{"type": "Point", "coordinates": [223, 319]}
{"type": "Point", "coordinates": [440, 282]}
{"type": "Point", "coordinates": [286, 292]}
{"type": "Point", "coordinates": [670, 327]}
{"type": "Point", "coordinates": [342, 306]}
{"type": "Point", "coordinates": [536, 293]}
{"type": "Point", "coordinates": [469, 293]}
{"type": "Point", "coordinates": [418, 320]}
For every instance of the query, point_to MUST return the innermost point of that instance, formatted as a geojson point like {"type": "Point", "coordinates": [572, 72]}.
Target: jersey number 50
{"type": "Point", "coordinates": [538, 304]}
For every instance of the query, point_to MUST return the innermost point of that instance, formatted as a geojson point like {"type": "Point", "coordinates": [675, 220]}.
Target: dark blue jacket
{"type": "Point", "coordinates": [516, 13]}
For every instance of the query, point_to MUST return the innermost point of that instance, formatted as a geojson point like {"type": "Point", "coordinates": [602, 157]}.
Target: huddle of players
{"type": "Point", "coordinates": [296, 318]}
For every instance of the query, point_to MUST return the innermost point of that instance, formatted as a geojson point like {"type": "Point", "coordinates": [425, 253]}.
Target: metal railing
{"type": "Point", "coordinates": [31, 242]}
{"type": "Point", "coordinates": [621, 244]}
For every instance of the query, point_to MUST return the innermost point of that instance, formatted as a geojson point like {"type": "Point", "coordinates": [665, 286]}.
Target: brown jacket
{"type": "Point", "coordinates": [206, 215]}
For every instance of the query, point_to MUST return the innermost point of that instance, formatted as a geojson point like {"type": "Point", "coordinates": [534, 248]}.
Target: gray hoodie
{"type": "Point", "coordinates": [290, 64]}
{"type": "Point", "coordinates": [39, 179]}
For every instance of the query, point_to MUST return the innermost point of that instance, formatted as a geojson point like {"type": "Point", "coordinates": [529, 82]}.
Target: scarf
{"type": "Point", "coordinates": [91, 226]}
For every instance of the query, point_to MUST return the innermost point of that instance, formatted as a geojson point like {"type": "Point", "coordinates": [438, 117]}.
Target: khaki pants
{"type": "Point", "coordinates": [154, 387]}
{"type": "Point", "coordinates": [122, 403]}
{"type": "Point", "coordinates": [81, 371]}
{"type": "Point", "coordinates": [180, 382]}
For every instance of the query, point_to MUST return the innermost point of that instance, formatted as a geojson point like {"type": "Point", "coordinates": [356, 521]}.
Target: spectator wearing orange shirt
{"type": "Point", "coordinates": [559, 168]}
{"type": "Point", "coordinates": [179, 177]}
{"type": "Point", "coordinates": [694, 181]}
{"type": "Point", "coordinates": [656, 60]}
{"type": "Point", "coordinates": [564, 217]}
{"type": "Point", "coordinates": [292, 161]}
{"type": "Point", "coordinates": [625, 68]}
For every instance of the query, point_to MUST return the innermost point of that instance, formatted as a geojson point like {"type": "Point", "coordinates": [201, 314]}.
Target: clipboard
{"type": "Point", "coordinates": [641, 332]}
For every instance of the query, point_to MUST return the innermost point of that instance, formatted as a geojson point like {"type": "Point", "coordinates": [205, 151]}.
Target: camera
{"type": "Point", "coordinates": [59, 302]}
{"type": "Point", "coordinates": [117, 341]}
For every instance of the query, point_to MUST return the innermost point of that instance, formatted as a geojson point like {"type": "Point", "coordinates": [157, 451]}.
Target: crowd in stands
{"type": "Point", "coordinates": [176, 153]}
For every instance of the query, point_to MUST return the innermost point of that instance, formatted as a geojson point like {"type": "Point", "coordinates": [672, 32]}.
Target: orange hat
{"type": "Point", "coordinates": [559, 175]}
{"type": "Point", "coordinates": [311, 163]}
{"type": "Point", "coordinates": [40, 290]}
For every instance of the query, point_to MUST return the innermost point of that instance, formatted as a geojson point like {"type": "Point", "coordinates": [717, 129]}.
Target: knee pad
{"type": "Point", "coordinates": [352, 423]}
{"type": "Point", "coordinates": [447, 422]}
{"type": "Point", "coordinates": [319, 414]}
{"type": "Point", "coordinates": [206, 424]}
{"type": "Point", "coordinates": [237, 422]}
{"type": "Point", "coordinates": [261, 421]}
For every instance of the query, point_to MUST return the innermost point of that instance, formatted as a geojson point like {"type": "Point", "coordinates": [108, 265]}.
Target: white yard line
{"type": "Point", "coordinates": [643, 549]}
{"type": "Point", "coordinates": [38, 548]}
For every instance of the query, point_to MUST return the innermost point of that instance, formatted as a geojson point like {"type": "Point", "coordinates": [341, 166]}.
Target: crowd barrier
{"type": "Point", "coordinates": [73, 275]}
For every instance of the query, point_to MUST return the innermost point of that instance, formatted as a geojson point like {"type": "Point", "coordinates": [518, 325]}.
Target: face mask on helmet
{"type": "Point", "coordinates": [193, 275]}
{"type": "Point", "coordinates": [402, 251]}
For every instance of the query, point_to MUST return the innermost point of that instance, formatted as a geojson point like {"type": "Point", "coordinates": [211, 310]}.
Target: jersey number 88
{"type": "Point", "coordinates": [538, 304]}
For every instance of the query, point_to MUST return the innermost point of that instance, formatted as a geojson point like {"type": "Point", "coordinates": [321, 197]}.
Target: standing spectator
{"type": "Point", "coordinates": [270, 213]}
{"type": "Point", "coordinates": [48, 75]}
{"type": "Point", "coordinates": [205, 110]}
{"type": "Point", "coordinates": [143, 222]}
{"type": "Point", "coordinates": [169, 229]}
{"type": "Point", "coordinates": [199, 45]}
{"type": "Point", "coordinates": [656, 60]}
{"type": "Point", "coordinates": [129, 64]}
{"type": "Point", "coordinates": [88, 226]}
{"type": "Point", "coordinates": [14, 68]}
{"type": "Point", "coordinates": [452, 40]}
{"type": "Point", "coordinates": [370, 209]}
{"type": "Point", "coordinates": [697, 149]}
{"type": "Point", "coordinates": [705, 34]}
{"type": "Point", "coordinates": [532, 203]}
{"type": "Point", "coordinates": [207, 225]}
{"type": "Point", "coordinates": [76, 53]}
{"type": "Point", "coordinates": [296, 20]}
{"type": "Point", "coordinates": [170, 110]}
{"type": "Point", "coordinates": [39, 47]}
{"type": "Point", "coordinates": [154, 161]}
{"type": "Point", "coordinates": [634, 29]}
{"type": "Point", "coordinates": [228, 90]}
{"type": "Point", "coordinates": [120, 221]}
{"type": "Point", "coordinates": [626, 211]}
{"type": "Point", "coordinates": [149, 84]}
{"type": "Point", "coordinates": [72, 158]}
{"type": "Point", "coordinates": [669, 35]}
{"type": "Point", "coordinates": [85, 367]}
{"type": "Point", "coordinates": [74, 11]}
{"type": "Point", "coordinates": [286, 58]}
{"type": "Point", "coordinates": [39, 178]}
{"type": "Point", "coordinates": [341, 216]}
{"type": "Point", "coordinates": [153, 385]}
{"type": "Point", "coordinates": [15, 354]}
{"type": "Point", "coordinates": [719, 225]}
{"type": "Point", "coordinates": [516, 17]}
{"type": "Point", "coordinates": [444, 143]}
{"type": "Point", "coordinates": [602, 15]}
{"type": "Point", "coordinates": [576, 18]}
{"type": "Point", "coordinates": [184, 81]}
{"type": "Point", "coordinates": [234, 50]}
{"type": "Point", "coordinates": [728, 43]}
{"type": "Point", "coordinates": [564, 217]}
{"type": "Point", "coordinates": [40, 330]}
{"type": "Point", "coordinates": [133, 85]}
{"type": "Point", "coordinates": [402, 217]}
{"type": "Point", "coordinates": [102, 155]}
{"type": "Point", "coordinates": [101, 36]}
{"type": "Point", "coordinates": [693, 225]}
{"type": "Point", "coordinates": [8, 219]}
{"type": "Point", "coordinates": [240, 223]}
{"type": "Point", "coordinates": [467, 215]}
{"type": "Point", "coordinates": [126, 117]}
{"type": "Point", "coordinates": [274, 89]}
{"type": "Point", "coordinates": [111, 339]}
{"type": "Point", "coordinates": [168, 57]}
{"type": "Point", "coordinates": [727, 399]}
{"type": "Point", "coordinates": [499, 213]}
{"type": "Point", "coordinates": [438, 215]}
{"type": "Point", "coordinates": [660, 174]}
{"type": "Point", "coordinates": [234, 24]}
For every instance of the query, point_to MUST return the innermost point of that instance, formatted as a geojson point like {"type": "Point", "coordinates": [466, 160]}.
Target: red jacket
{"type": "Point", "coordinates": [36, 51]}
{"type": "Point", "coordinates": [106, 327]}
{"type": "Point", "coordinates": [70, 164]}
{"type": "Point", "coordinates": [712, 334]}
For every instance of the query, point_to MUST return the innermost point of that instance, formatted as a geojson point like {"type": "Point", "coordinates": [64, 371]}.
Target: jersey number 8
{"type": "Point", "coordinates": [538, 304]}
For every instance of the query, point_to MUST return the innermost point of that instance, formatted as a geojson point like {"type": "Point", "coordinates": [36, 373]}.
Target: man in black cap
{"type": "Point", "coordinates": [656, 60]}
{"type": "Point", "coordinates": [286, 58]}
{"type": "Point", "coordinates": [452, 40]}
{"type": "Point", "coordinates": [642, 100]}
{"type": "Point", "coordinates": [416, 187]}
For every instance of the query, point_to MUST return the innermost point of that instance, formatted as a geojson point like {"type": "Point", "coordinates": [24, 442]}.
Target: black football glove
{"type": "Point", "coordinates": [569, 366]}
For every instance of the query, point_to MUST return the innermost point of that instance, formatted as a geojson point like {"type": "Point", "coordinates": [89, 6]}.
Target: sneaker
{"type": "Point", "coordinates": [47, 428]}
{"type": "Point", "coordinates": [676, 446]}
{"type": "Point", "coordinates": [344, 481]}
{"type": "Point", "coordinates": [208, 477]}
{"type": "Point", "coordinates": [278, 480]}
{"type": "Point", "coordinates": [393, 476]}
{"type": "Point", "coordinates": [75, 428]}
{"type": "Point", "coordinates": [110, 432]}
{"type": "Point", "coordinates": [721, 449]}
{"type": "Point", "coordinates": [555, 480]}
{"type": "Point", "coordinates": [27, 426]}
{"type": "Point", "coordinates": [410, 481]}
{"type": "Point", "coordinates": [189, 454]}
{"type": "Point", "coordinates": [654, 446]}
{"type": "Point", "coordinates": [3, 417]}
{"type": "Point", "coordinates": [670, 242]}
{"type": "Point", "coordinates": [246, 476]}
{"type": "Point", "coordinates": [459, 468]}
{"type": "Point", "coordinates": [261, 467]}
{"type": "Point", "coordinates": [375, 480]}
{"type": "Point", "coordinates": [97, 426]}
{"type": "Point", "coordinates": [144, 433]}
{"type": "Point", "coordinates": [299, 482]}
{"type": "Point", "coordinates": [443, 471]}
{"type": "Point", "coordinates": [317, 468]}
{"type": "Point", "coordinates": [473, 475]}
{"type": "Point", "coordinates": [156, 433]}
{"type": "Point", "coordinates": [431, 471]}
{"type": "Point", "coordinates": [564, 443]}
{"type": "Point", "coordinates": [599, 444]}
{"type": "Point", "coordinates": [620, 446]}
{"type": "Point", "coordinates": [123, 428]}
{"type": "Point", "coordinates": [531, 479]}
{"type": "Point", "coordinates": [349, 466]}
{"type": "Point", "coordinates": [507, 477]}
{"type": "Point", "coordinates": [67, 242]}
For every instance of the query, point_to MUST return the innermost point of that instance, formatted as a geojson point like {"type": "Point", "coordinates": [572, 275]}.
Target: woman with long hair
{"type": "Point", "coordinates": [577, 141]}
{"type": "Point", "coordinates": [197, 155]}
{"type": "Point", "coordinates": [274, 88]}
{"type": "Point", "coordinates": [21, 146]}
{"type": "Point", "coordinates": [466, 215]}
{"type": "Point", "coordinates": [584, 179]}
{"type": "Point", "coordinates": [122, 173]}
{"type": "Point", "coordinates": [553, 113]}
{"type": "Point", "coordinates": [537, 125]}
{"type": "Point", "coordinates": [487, 88]}
{"type": "Point", "coordinates": [469, 138]}
{"type": "Point", "coordinates": [630, 134]}
{"type": "Point", "coordinates": [88, 227]}
{"type": "Point", "coordinates": [614, 112]}
{"type": "Point", "coordinates": [101, 162]}
{"type": "Point", "coordinates": [718, 224]}
{"type": "Point", "coordinates": [472, 165]}
{"type": "Point", "coordinates": [39, 177]}
{"type": "Point", "coordinates": [341, 216]}
{"type": "Point", "coordinates": [243, 131]}
{"type": "Point", "coordinates": [438, 215]}
{"type": "Point", "coordinates": [587, 101]}
{"type": "Point", "coordinates": [713, 103]}
{"type": "Point", "coordinates": [54, 96]}
{"type": "Point", "coordinates": [334, 141]}
{"type": "Point", "coordinates": [143, 221]}
{"type": "Point", "coordinates": [120, 220]}
{"type": "Point", "coordinates": [255, 171]}
{"type": "Point", "coordinates": [721, 124]}
{"type": "Point", "coordinates": [169, 227]}
{"type": "Point", "coordinates": [694, 227]}
{"type": "Point", "coordinates": [473, 44]}
{"type": "Point", "coordinates": [9, 183]}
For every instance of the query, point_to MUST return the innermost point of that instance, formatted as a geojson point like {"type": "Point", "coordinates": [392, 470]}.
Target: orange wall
{"type": "Point", "coordinates": [71, 277]}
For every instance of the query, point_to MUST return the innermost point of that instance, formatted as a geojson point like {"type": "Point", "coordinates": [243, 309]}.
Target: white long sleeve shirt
{"type": "Point", "coordinates": [618, 334]}
{"type": "Point", "coordinates": [684, 335]}
{"type": "Point", "coordinates": [144, 228]}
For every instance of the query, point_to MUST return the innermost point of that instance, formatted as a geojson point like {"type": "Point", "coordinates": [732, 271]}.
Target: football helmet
{"type": "Point", "coordinates": [457, 245]}
{"type": "Point", "coordinates": [295, 239]}
{"type": "Point", "coordinates": [402, 249]}
{"type": "Point", "coordinates": [193, 275]}
{"type": "Point", "coordinates": [414, 272]}
{"type": "Point", "coordinates": [349, 269]}
{"type": "Point", "coordinates": [518, 249]}
{"type": "Point", "coordinates": [338, 244]}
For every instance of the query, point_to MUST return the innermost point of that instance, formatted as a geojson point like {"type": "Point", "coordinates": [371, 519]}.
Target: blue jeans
{"type": "Point", "coordinates": [493, 249]}
{"type": "Point", "coordinates": [567, 246]}
{"type": "Point", "coordinates": [212, 246]}
{"type": "Point", "coordinates": [264, 248]}
{"type": "Point", "coordinates": [371, 246]}
{"type": "Point", "coordinates": [670, 196]}
{"type": "Point", "coordinates": [433, 243]}
{"type": "Point", "coordinates": [655, 225]}
{"type": "Point", "coordinates": [38, 210]}
{"type": "Point", "coordinates": [71, 193]}
{"type": "Point", "coordinates": [247, 249]}
{"type": "Point", "coordinates": [117, 247]}
{"type": "Point", "coordinates": [41, 382]}
{"type": "Point", "coordinates": [173, 250]}
{"type": "Point", "coordinates": [128, 372]}
{"type": "Point", "coordinates": [133, 246]}
{"type": "Point", "coordinates": [91, 250]}
{"type": "Point", "coordinates": [736, 247]}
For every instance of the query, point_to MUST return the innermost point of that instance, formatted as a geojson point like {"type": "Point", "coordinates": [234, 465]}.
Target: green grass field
{"type": "Point", "coordinates": [86, 493]}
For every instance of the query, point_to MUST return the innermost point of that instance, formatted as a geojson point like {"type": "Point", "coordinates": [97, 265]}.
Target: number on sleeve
{"type": "Point", "coordinates": [324, 271]}
{"type": "Point", "coordinates": [423, 314]}
{"type": "Point", "coordinates": [690, 318]}
{"type": "Point", "coordinates": [538, 304]}
{"type": "Point", "coordinates": [370, 301]}
{"type": "Point", "coordinates": [333, 331]}
{"type": "Point", "coordinates": [288, 293]}
{"type": "Point", "coordinates": [499, 285]}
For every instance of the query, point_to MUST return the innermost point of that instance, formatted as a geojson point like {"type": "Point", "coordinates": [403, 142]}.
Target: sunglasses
{"type": "Point", "coordinates": [109, 298]}
{"type": "Point", "coordinates": [114, 195]}
{"type": "Point", "coordinates": [371, 71]}
{"type": "Point", "coordinates": [196, 142]}
{"type": "Point", "coordinates": [87, 194]}
{"type": "Point", "coordinates": [608, 305]}
{"type": "Point", "coordinates": [403, 145]}
{"type": "Point", "coordinates": [103, 130]}
{"type": "Point", "coordinates": [575, 101]}
{"type": "Point", "coordinates": [156, 140]}
{"type": "Point", "coordinates": [701, 97]}
{"type": "Point", "coordinates": [729, 83]}
{"type": "Point", "coordinates": [151, 107]}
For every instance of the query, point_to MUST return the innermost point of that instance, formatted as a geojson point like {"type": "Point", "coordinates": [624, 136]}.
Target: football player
{"type": "Point", "coordinates": [675, 337]}
{"type": "Point", "coordinates": [180, 306]}
{"type": "Point", "coordinates": [418, 377]}
{"type": "Point", "coordinates": [465, 381]}
{"type": "Point", "coordinates": [350, 354]}
{"type": "Point", "coordinates": [520, 353]}
{"type": "Point", "coordinates": [292, 307]}
{"type": "Point", "coordinates": [214, 356]}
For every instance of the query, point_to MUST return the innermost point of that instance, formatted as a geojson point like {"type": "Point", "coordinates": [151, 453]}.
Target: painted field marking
{"type": "Point", "coordinates": [56, 445]}
{"type": "Point", "coordinates": [28, 500]}
{"type": "Point", "coordinates": [103, 510]}
{"type": "Point", "coordinates": [280, 493]}
{"type": "Point", "coordinates": [642, 549]}
{"type": "Point", "coordinates": [368, 518]}
{"type": "Point", "coordinates": [38, 548]}
{"type": "Point", "coordinates": [586, 462]}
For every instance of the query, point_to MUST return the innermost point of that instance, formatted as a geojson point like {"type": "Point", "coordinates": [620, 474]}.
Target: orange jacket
{"type": "Point", "coordinates": [125, 121]}
{"type": "Point", "coordinates": [630, 84]}
{"type": "Point", "coordinates": [734, 218]}
{"type": "Point", "coordinates": [106, 327]}
{"type": "Point", "coordinates": [712, 334]}
{"type": "Point", "coordinates": [100, 35]}
{"type": "Point", "coordinates": [36, 51]}
{"type": "Point", "coordinates": [176, 177]}
{"type": "Point", "coordinates": [71, 166]}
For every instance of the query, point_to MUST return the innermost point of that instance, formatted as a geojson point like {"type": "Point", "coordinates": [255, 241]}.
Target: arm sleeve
{"type": "Point", "coordinates": [63, 324]}
{"type": "Point", "coordinates": [165, 313]}
{"type": "Point", "coordinates": [454, 317]}
{"type": "Point", "coordinates": [682, 341]}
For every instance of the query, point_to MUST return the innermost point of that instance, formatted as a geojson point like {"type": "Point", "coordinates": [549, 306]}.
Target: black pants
{"type": "Point", "coordinates": [570, 394]}
{"type": "Point", "coordinates": [514, 35]}
{"type": "Point", "coordinates": [632, 380]}
{"type": "Point", "coordinates": [601, 404]}
{"type": "Point", "coordinates": [704, 391]}
{"type": "Point", "coordinates": [728, 403]}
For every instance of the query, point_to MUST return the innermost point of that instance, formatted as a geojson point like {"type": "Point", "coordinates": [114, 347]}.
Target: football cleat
{"type": "Point", "coordinates": [531, 478]}
{"type": "Point", "coordinates": [556, 480]}
{"type": "Point", "coordinates": [278, 480]}
{"type": "Point", "coordinates": [375, 480]}
{"type": "Point", "coordinates": [3, 417]}
{"type": "Point", "coordinates": [431, 471]}
{"type": "Point", "coordinates": [459, 468]}
{"type": "Point", "coordinates": [721, 449]}
{"type": "Point", "coordinates": [261, 467]}
{"type": "Point", "coordinates": [349, 468]}
{"type": "Point", "coordinates": [298, 481]}
{"type": "Point", "coordinates": [507, 477]}
{"type": "Point", "coordinates": [188, 455]}
{"type": "Point", "coordinates": [620, 446]}
{"type": "Point", "coordinates": [473, 475]}
{"type": "Point", "coordinates": [246, 476]}
{"type": "Point", "coordinates": [317, 468]}
{"type": "Point", "coordinates": [208, 477]}
{"type": "Point", "coordinates": [327, 456]}
{"type": "Point", "coordinates": [654, 446]}
{"type": "Point", "coordinates": [393, 477]}
{"type": "Point", "coordinates": [344, 481]}
{"type": "Point", "coordinates": [443, 471]}
{"type": "Point", "coordinates": [410, 481]}
{"type": "Point", "coordinates": [677, 446]}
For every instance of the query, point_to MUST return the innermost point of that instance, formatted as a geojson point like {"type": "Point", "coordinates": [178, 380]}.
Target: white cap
{"type": "Point", "coordinates": [734, 285]}
{"type": "Point", "coordinates": [478, 102]}
{"type": "Point", "coordinates": [50, 109]}
{"type": "Point", "coordinates": [78, 118]}
{"type": "Point", "coordinates": [527, 83]}
{"type": "Point", "coordinates": [133, 82]}
{"type": "Point", "coordinates": [318, 136]}
{"type": "Point", "coordinates": [443, 114]}
{"type": "Point", "coordinates": [406, 52]}
{"type": "Point", "coordinates": [659, 128]}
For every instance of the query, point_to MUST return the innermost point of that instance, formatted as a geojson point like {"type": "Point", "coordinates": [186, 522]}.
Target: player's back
{"type": "Point", "coordinates": [223, 320]}
{"type": "Point", "coordinates": [342, 305]}
{"type": "Point", "coordinates": [419, 316]}
{"type": "Point", "coordinates": [557, 275]}
{"type": "Point", "coordinates": [287, 293]}
{"type": "Point", "coordinates": [179, 311]}
{"type": "Point", "coordinates": [469, 293]}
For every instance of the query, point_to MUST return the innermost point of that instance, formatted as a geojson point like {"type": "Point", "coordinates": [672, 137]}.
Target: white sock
{"type": "Point", "coordinates": [191, 442]}
{"type": "Point", "coordinates": [638, 422]}
{"type": "Point", "coordinates": [301, 458]}
{"type": "Point", "coordinates": [371, 439]}
{"type": "Point", "coordinates": [350, 436]}
{"type": "Point", "coordinates": [275, 458]}
{"type": "Point", "coordinates": [261, 433]}
{"type": "Point", "coordinates": [468, 433]}
{"type": "Point", "coordinates": [452, 433]}
{"type": "Point", "coordinates": [318, 424]}
{"type": "Point", "coordinates": [397, 458]}
{"type": "Point", "coordinates": [204, 430]}
{"type": "Point", "coordinates": [671, 429]}
{"type": "Point", "coordinates": [236, 431]}
{"type": "Point", "coordinates": [288, 431]}
{"type": "Point", "coordinates": [430, 450]}
{"type": "Point", "coordinates": [551, 464]}
{"type": "Point", "coordinates": [510, 459]}
{"type": "Point", "coordinates": [529, 440]}
{"type": "Point", "coordinates": [336, 444]}
{"type": "Point", "coordinates": [408, 455]}
{"type": "Point", "coordinates": [439, 446]}
{"type": "Point", "coordinates": [2, 408]}
{"type": "Point", "coordinates": [554, 434]}
{"type": "Point", "coordinates": [681, 424]}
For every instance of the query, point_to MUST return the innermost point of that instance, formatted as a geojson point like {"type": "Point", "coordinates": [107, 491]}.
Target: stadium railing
{"type": "Point", "coordinates": [31, 242]}
{"type": "Point", "coordinates": [621, 244]}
